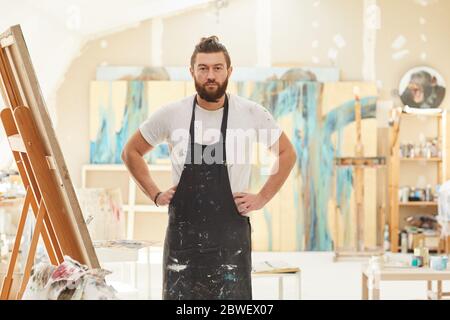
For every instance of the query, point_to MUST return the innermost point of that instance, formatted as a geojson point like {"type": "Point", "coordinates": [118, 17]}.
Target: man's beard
{"type": "Point", "coordinates": [211, 96]}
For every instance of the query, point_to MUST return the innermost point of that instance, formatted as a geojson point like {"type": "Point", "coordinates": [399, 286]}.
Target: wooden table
{"type": "Point", "coordinates": [404, 274]}
{"type": "Point", "coordinates": [295, 276]}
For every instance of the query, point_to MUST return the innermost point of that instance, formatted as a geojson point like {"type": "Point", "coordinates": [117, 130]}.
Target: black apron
{"type": "Point", "coordinates": [207, 249]}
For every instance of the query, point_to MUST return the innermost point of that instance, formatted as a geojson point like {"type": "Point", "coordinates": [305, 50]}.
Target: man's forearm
{"type": "Point", "coordinates": [283, 166]}
{"type": "Point", "coordinates": [141, 174]}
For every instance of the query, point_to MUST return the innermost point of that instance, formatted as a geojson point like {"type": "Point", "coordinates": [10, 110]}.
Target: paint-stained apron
{"type": "Point", "coordinates": [207, 249]}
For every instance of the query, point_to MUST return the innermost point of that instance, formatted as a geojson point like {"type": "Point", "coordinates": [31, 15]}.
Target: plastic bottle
{"type": "Point", "coordinates": [404, 242]}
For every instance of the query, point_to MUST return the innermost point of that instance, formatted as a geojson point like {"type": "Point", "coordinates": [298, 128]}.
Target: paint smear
{"type": "Point", "coordinates": [177, 267]}
{"type": "Point", "coordinates": [399, 42]}
{"type": "Point", "coordinates": [229, 266]}
{"type": "Point", "coordinates": [339, 41]}
{"type": "Point", "coordinates": [332, 54]}
{"type": "Point", "coordinates": [400, 55]}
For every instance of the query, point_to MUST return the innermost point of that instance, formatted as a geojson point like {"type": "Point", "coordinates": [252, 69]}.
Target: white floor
{"type": "Point", "coordinates": [321, 279]}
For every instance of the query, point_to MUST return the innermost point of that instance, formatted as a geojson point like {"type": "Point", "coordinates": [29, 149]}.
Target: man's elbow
{"type": "Point", "coordinates": [124, 155]}
{"type": "Point", "coordinates": [292, 157]}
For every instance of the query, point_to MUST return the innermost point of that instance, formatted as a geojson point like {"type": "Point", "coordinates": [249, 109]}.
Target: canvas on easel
{"type": "Point", "coordinates": [37, 154]}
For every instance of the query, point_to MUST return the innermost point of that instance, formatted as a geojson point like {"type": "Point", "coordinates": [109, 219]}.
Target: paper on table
{"type": "Point", "coordinates": [274, 267]}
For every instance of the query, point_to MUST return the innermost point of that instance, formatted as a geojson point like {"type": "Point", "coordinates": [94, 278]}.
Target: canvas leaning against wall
{"type": "Point", "coordinates": [118, 108]}
{"type": "Point", "coordinates": [319, 119]}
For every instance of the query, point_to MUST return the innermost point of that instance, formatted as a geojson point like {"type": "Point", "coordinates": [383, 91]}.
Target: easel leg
{"type": "Point", "coordinates": [359, 197]}
{"type": "Point", "coordinates": [29, 181]}
{"type": "Point", "coordinates": [8, 280]}
{"type": "Point", "coordinates": [49, 238]}
{"type": "Point", "coordinates": [56, 256]}
{"type": "Point", "coordinates": [31, 254]}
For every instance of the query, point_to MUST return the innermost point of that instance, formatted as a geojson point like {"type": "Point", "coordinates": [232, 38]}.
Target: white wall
{"type": "Point", "coordinates": [295, 26]}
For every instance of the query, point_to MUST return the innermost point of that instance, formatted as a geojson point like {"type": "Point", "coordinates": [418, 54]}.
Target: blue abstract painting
{"type": "Point", "coordinates": [117, 109]}
{"type": "Point", "coordinates": [311, 134]}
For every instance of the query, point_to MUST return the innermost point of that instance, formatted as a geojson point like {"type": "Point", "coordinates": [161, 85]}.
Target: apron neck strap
{"type": "Point", "coordinates": [223, 127]}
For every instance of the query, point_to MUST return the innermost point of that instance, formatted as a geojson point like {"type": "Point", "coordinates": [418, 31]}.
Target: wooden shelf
{"type": "Point", "coordinates": [130, 205]}
{"type": "Point", "coordinates": [417, 115]}
{"type": "Point", "coordinates": [434, 169]}
{"type": "Point", "coordinates": [421, 159]}
{"type": "Point", "coordinates": [417, 203]}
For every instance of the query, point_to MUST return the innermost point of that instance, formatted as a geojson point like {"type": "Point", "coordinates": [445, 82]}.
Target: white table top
{"type": "Point", "coordinates": [408, 273]}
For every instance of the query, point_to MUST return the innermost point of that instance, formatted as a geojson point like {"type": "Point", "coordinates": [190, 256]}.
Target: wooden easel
{"type": "Point", "coordinates": [394, 172]}
{"type": "Point", "coordinates": [359, 163]}
{"type": "Point", "coordinates": [49, 191]}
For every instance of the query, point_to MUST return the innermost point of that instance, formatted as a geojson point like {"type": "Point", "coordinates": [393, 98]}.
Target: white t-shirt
{"type": "Point", "coordinates": [248, 123]}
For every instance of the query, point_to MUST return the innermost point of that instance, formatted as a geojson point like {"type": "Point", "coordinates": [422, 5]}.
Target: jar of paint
{"type": "Point", "coordinates": [439, 262]}
{"type": "Point", "coordinates": [444, 262]}
{"type": "Point", "coordinates": [417, 261]}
